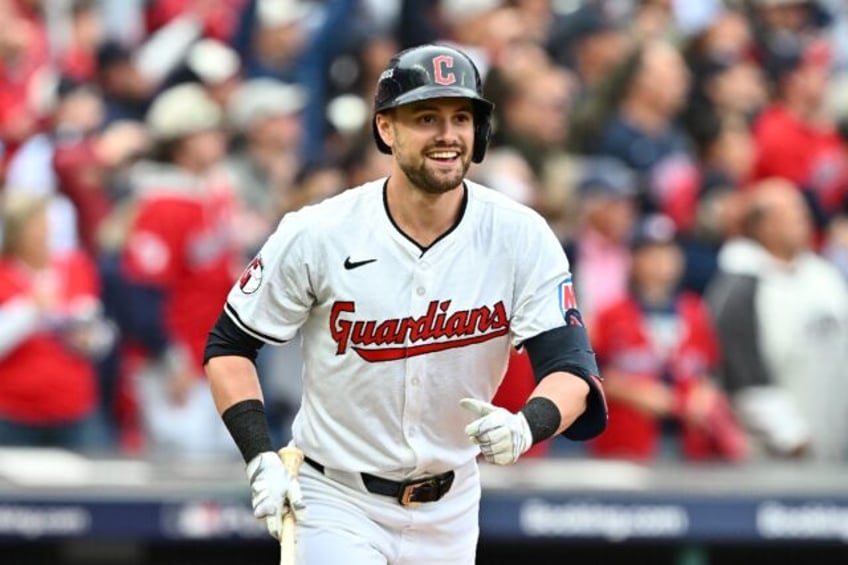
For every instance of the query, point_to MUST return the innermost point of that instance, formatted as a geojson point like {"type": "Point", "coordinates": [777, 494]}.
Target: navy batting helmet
{"type": "Point", "coordinates": [434, 71]}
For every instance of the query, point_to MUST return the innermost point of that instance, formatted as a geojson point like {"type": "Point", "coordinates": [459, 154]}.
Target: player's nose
{"type": "Point", "coordinates": [448, 133]}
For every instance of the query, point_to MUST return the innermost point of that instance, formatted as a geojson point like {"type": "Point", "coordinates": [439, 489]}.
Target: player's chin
{"type": "Point", "coordinates": [454, 169]}
{"type": "Point", "coordinates": [447, 180]}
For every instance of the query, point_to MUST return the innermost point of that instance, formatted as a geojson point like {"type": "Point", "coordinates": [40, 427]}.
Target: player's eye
{"type": "Point", "coordinates": [463, 118]}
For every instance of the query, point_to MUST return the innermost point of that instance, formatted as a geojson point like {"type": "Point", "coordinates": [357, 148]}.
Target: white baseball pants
{"type": "Point", "coordinates": [347, 524]}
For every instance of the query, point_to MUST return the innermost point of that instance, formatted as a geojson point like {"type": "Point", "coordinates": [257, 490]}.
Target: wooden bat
{"type": "Point", "coordinates": [292, 458]}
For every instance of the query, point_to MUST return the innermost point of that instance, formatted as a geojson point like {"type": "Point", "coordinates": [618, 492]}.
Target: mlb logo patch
{"type": "Point", "coordinates": [567, 300]}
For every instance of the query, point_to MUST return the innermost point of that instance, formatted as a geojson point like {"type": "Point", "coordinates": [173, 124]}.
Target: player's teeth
{"type": "Point", "coordinates": [444, 155]}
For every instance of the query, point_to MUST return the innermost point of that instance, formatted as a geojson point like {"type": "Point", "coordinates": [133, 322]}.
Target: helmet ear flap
{"type": "Point", "coordinates": [482, 134]}
{"type": "Point", "coordinates": [481, 141]}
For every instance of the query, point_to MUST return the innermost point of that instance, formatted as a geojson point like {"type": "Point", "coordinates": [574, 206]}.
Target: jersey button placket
{"type": "Point", "coordinates": [415, 395]}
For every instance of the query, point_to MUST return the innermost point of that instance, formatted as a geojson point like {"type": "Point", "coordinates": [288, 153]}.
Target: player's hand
{"type": "Point", "coordinates": [501, 435]}
{"type": "Point", "coordinates": [273, 491]}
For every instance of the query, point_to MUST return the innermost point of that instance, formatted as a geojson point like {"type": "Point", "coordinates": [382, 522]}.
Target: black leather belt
{"type": "Point", "coordinates": [408, 493]}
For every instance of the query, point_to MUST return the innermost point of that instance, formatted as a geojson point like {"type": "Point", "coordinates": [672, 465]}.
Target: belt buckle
{"type": "Point", "coordinates": [435, 487]}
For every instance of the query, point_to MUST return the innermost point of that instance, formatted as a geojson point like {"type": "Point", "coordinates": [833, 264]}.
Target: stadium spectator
{"type": "Point", "coordinates": [795, 139]}
{"type": "Point", "coordinates": [30, 169]}
{"type": "Point", "coordinates": [599, 252]}
{"type": "Point", "coordinates": [590, 43]}
{"type": "Point", "coordinates": [85, 158]}
{"type": "Point", "coordinates": [656, 348]}
{"type": "Point", "coordinates": [725, 78]}
{"type": "Point", "coordinates": [294, 41]}
{"type": "Point", "coordinates": [24, 55]}
{"type": "Point", "coordinates": [633, 119]}
{"type": "Point", "coordinates": [126, 91]}
{"type": "Point", "coordinates": [179, 261]}
{"type": "Point", "coordinates": [802, 19]}
{"type": "Point", "coordinates": [726, 158]}
{"type": "Point", "coordinates": [79, 57]}
{"type": "Point", "coordinates": [782, 317]}
{"type": "Point", "coordinates": [534, 106]}
{"type": "Point", "coordinates": [51, 330]}
{"type": "Point", "coordinates": [264, 116]}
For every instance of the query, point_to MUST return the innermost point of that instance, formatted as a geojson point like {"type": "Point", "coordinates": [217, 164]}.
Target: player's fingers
{"type": "Point", "coordinates": [274, 524]}
{"type": "Point", "coordinates": [472, 430]}
{"type": "Point", "coordinates": [294, 500]}
{"type": "Point", "coordinates": [264, 507]}
{"type": "Point", "coordinates": [478, 407]}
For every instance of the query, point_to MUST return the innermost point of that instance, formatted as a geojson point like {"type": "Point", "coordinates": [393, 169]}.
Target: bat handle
{"type": "Point", "coordinates": [292, 458]}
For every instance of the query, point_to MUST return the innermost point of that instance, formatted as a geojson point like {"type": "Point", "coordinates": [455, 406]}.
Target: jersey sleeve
{"type": "Point", "coordinates": [544, 296]}
{"type": "Point", "coordinates": [272, 297]}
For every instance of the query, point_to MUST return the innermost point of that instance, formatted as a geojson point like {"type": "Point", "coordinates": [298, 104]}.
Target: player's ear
{"type": "Point", "coordinates": [383, 121]}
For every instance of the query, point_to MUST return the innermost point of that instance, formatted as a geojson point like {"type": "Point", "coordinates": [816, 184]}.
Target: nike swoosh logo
{"type": "Point", "coordinates": [348, 264]}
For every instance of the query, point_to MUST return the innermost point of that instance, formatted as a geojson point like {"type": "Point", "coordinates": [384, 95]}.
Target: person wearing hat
{"type": "Point", "coordinates": [178, 262]}
{"type": "Point", "coordinates": [590, 42]}
{"type": "Point", "coordinates": [265, 118]}
{"type": "Point", "coordinates": [291, 41]}
{"type": "Point", "coordinates": [657, 348]}
{"type": "Point", "coordinates": [607, 192]}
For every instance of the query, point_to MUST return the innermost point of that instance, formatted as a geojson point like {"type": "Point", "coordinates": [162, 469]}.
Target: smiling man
{"type": "Point", "coordinates": [409, 292]}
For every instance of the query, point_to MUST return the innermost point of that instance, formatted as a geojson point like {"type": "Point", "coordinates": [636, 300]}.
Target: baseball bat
{"type": "Point", "coordinates": [292, 458]}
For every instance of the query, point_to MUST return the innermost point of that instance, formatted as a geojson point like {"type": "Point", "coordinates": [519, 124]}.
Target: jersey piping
{"type": "Point", "coordinates": [257, 334]}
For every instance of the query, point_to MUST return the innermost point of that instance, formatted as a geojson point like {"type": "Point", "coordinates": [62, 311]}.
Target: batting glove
{"type": "Point", "coordinates": [274, 491]}
{"type": "Point", "coordinates": [501, 435]}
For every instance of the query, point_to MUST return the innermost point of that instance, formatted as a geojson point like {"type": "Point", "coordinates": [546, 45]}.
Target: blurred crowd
{"type": "Point", "coordinates": [692, 156]}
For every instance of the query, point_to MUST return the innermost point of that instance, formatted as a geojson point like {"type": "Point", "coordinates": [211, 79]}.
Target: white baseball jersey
{"type": "Point", "coordinates": [393, 335]}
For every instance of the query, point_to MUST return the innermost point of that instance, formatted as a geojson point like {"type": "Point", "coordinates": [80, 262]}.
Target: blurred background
{"type": "Point", "coordinates": [692, 156]}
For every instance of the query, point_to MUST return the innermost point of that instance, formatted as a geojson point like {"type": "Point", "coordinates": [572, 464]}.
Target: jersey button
{"type": "Point", "coordinates": [420, 291]}
{"type": "Point", "coordinates": [425, 265]}
{"type": "Point", "coordinates": [416, 381]}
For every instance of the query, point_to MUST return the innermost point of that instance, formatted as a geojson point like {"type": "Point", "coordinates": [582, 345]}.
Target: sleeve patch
{"type": "Point", "coordinates": [567, 300]}
{"type": "Point", "coordinates": [251, 278]}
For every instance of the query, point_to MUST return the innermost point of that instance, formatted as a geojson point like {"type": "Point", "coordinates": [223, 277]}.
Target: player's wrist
{"type": "Point", "coordinates": [248, 427]}
{"type": "Point", "coordinates": [543, 418]}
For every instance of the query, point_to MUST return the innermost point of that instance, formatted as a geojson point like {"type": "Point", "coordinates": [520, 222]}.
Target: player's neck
{"type": "Point", "coordinates": [422, 216]}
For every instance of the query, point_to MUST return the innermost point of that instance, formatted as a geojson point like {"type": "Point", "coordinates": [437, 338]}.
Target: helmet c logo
{"type": "Point", "coordinates": [440, 73]}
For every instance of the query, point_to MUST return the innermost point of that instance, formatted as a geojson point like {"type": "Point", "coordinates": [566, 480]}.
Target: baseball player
{"type": "Point", "coordinates": [409, 292]}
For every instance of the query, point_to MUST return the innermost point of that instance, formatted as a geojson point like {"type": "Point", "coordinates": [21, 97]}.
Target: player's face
{"type": "Point", "coordinates": [432, 142]}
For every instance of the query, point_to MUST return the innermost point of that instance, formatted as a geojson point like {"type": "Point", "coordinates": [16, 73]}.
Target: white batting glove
{"type": "Point", "coordinates": [274, 491]}
{"type": "Point", "coordinates": [501, 435]}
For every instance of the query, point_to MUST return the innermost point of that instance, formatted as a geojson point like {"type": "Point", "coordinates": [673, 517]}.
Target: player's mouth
{"type": "Point", "coordinates": [444, 156]}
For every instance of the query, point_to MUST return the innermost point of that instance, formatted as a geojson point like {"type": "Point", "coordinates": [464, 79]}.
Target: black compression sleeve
{"type": "Point", "coordinates": [567, 349]}
{"type": "Point", "coordinates": [247, 425]}
{"type": "Point", "coordinates": [543, 417]}
{"type": "Point", "coordinates": [226, 338]}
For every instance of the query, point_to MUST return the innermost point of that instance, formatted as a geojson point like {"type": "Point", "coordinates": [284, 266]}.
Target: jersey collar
{"type": "Point", "coordinates": [447, 232]}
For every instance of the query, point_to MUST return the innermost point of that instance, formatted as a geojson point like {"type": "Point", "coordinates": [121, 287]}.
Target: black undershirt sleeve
{"type": "Point", "coordinates": [226, 338]}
